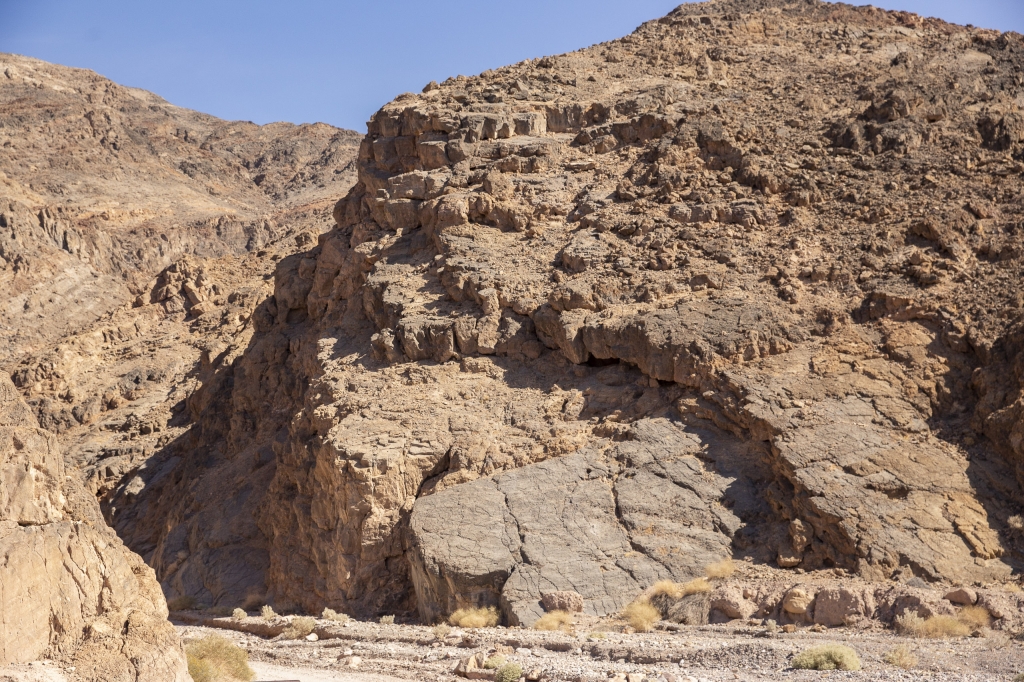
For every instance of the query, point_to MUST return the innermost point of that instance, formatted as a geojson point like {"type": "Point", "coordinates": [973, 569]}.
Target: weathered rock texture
{"type": "Point", "coordinates": [69, 589]}
{"type": "Point", "coordinates": [136, 240]}
{"type": "Point", "coordinates": [743, 283]}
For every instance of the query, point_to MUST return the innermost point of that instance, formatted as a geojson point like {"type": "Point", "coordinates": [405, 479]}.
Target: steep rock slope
{"type": "Point", "coordinates": [69, 589]}
{"type": "Point", "coordinates": [136, 238]}
{"type": "Point", "coordinates": [743, 283]}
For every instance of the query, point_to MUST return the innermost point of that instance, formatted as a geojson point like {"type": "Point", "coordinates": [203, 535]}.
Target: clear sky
{"type": "Point", "coordinates": [338, 61]}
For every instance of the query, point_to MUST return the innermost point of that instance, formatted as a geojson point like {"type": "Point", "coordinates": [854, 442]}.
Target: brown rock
{"type": "Point", "coordinates": [963, 596]}
{"type": "Point", "coordinates": [562, 601]}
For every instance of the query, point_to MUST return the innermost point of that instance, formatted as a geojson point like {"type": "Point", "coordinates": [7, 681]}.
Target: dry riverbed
{"type": "Point", "coordinates": [597, 650]}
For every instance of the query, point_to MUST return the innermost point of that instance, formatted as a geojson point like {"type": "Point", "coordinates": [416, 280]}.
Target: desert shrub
{"type": "Point", "coordinates": [770, 626]}
{"type": "Point", "coordinates": [1019, 677]}
{"type": "Point", "coordinates": [901, 657]}
{"type": "Point", "coordinates": [268, 612]}
{"type": "Point", "coordinates": [509, 672]}
{"type": "Point", "coordinates": [912, 625]}
{"type": "Point", "coordinates": [679, 590]}
{"type": "Point", "coordinates": [827, 657]}
{"type": "Point", "coordinates": [641, 615]}
{"type": "Point", "coordinates": [720, 569]}
{"type": "Point", "coordinates": [494, 662]}
{"type": "Point", "coordinates": [441, 631]}
{"type": "Point", "coordinates": [331, 614]}
{"type": "Point", "coordinates": [598, 635]}
{"type": "Point", "coordinates": [475, 618]}
{"type": "Point", "coordinates": [554, 620]}
{"type": "Point", "coordinates": [975, 617]}
{"type": "Point", "coordinates": [215, 659]}
{"type": "Point", "coordinates": [387, 620]}
{"type": "Point", "coordinates": [181, 603]}
{"type": "Point", "coordinates": [1016, 522]}
{"type": "Point", "coordinates": [239, 614]}
{"type": "Point", "coordinates": [299, 627]}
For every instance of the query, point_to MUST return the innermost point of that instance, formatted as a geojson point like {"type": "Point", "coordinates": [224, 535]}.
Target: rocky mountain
{"type": "Point", "coordinates": [745, 283]}
{"type": "Point", "coordinates": [136, 240]}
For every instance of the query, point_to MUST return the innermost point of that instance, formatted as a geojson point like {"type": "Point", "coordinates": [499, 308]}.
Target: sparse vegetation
{"type": "Point", "coordinates": [494, 662]}
{"type": "Point", "coordinates": [641, 615]}
{"type": "Point", "coordinates": [475, 618]}
{"type": "Point", "coordinates": [679, 590]}
{"type": "Point", "coordinates": [268, 612]}
{"type": "Point", "coordinates": [936, 627]}
{"type": "Point", "coordinates": [555, 620]}
{"type": "Point", "coordinates": [441, 631]}
{"type": "Point", "coordinates": [181, 603]}
{"type": "Point", "coordinates": [1016, 523]}
{"type": "Point", "coordinates": [331, 614]}
{"type": "Point", "coordinates": [509, 672]}
{"type": "Point", "coordinates": [220, 611]}
{"type": "Point", "coordinates": [299, 627]}
{"type": "Point", "coordinates": [239, 614]}
{"type": "Point", "coordinates": [771, 626]}
{"type": "Point", "coordinates": [598, 635]}
{"type": "Point", "coordinates": [387, 620]}
{"type": "Point", "coordinates": [720, 569]}
{"type": "Point", "coordinates": [216, 659]}
{"type": "Point", "coordinates": [901, 657]}
{"type": "Point", "coordinates": [975, 617]}
{"type": "Point", "coordinates": [827, 657]}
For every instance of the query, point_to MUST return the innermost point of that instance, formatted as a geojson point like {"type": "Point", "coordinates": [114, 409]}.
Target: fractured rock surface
{"type": "Point", "coordinates": [69, 588]}
{"type": "Point", "coordinates": [743, 283]}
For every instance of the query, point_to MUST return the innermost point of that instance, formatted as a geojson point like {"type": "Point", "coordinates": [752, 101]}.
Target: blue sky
{"type": "Point", "coordinates": [337, 61]}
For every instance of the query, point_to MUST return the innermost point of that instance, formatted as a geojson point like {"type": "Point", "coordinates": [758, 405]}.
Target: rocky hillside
{"type": "Point", "coordinates": [744, 283]}
{"type": "Point", "coordinates": [136, 238]}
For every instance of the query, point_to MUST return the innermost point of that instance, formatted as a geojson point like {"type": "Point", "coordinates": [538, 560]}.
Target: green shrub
{"type": "Point", "coordinates": [827, 657]}
{"type": "Point", "coordinates": [215, 659]}
{"type": "Point", "coordinates": [508, 673]}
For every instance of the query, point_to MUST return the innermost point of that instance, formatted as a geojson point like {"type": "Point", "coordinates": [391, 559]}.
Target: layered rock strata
{"type": "Point", "coordinates": [743, 283]}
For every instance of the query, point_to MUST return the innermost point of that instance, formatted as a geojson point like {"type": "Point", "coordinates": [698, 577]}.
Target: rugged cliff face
{"type": "Point", "coordinates": [136, 240]}
{"type": "Point", "coordinates": [743, 283]}
{"type": "Point", "coordinates": [69, 589]}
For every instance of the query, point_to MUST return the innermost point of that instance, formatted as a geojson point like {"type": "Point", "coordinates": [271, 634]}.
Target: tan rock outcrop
{"type": "Point", "coordinates": [725, 287]}
{"type": "Point", "coordinates": [69, 589]}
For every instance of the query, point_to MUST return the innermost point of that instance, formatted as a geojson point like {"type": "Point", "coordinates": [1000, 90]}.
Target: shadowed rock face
{"type": "Point", "coordinates": [69, 589]}
{"type": "Point", "coordinates": [744, 283]}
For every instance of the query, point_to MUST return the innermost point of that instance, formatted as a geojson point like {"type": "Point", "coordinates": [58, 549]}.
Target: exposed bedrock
{"type": "Point", "coordinates": [69, 589]}
{"type": "Point", "coordinates": [732, 294]}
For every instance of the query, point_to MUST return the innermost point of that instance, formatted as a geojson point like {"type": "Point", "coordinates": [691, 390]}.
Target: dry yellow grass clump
{"type": "Point", "coordinates": [299, 627]}
{"type": "Point", "coordinates": [975, 617]}
{"type": "Point", "coordinates": [268, 612]}
{"type": "Point", "coordinates": [901, 657]}
{"type": "Point", "coordinates": [641, 615]}
{"type": "Point", "coordinates": [827, 657]}
{"type": "Point", "coordinates": [912, 625]}
{"type": "Point", "coordinates": [720, 569]}
{"type": "Point", "coordinates": [239, 614]}
{"type": "Point", "coordinates": [680, 590]}
{"type": "Point", "coordinates": [215, 659]}
{"type": "Point", "coordinates": [555, 620]}
{"type": "Point", "coordinates": [475, 618]}
{"type": "Point", "coordinates": [331, 614]}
